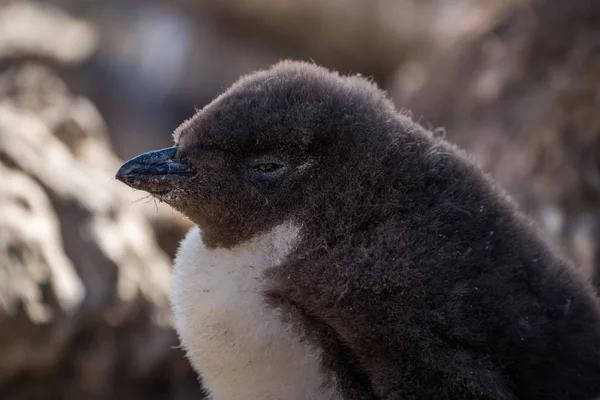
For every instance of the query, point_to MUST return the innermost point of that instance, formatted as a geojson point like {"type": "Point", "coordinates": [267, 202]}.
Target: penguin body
{"type": "Point", "coordinates": [347, 253]}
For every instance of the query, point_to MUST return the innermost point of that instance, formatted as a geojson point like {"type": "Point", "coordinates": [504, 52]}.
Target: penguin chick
{"type": "Point", "coordinates": [342, 251]}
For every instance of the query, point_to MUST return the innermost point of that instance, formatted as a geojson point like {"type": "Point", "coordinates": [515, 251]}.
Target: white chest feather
{"type": "Point", "coordinates": [238, 345]}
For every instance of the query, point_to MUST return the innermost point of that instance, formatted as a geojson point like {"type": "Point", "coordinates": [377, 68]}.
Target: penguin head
{"type": "Point", "coordinates": [267, 150]}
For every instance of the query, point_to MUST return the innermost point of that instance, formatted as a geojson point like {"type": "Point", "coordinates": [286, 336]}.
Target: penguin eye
{"type": "Point", "coordinates": [268, 167]}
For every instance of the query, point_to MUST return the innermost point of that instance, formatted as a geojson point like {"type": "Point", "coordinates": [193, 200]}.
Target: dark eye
{"type": "Point", "coordinates": [268, 167]}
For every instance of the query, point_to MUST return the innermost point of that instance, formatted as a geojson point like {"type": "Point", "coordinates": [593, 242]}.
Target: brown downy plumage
{"type": "Point", "coordinates": [342, 251]}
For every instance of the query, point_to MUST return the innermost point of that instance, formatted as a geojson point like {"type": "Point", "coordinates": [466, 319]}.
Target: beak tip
{"type": "Point", "coordinates": [124, 171]}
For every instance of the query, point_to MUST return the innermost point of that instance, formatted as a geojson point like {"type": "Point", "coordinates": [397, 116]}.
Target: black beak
{"type": "Point", "coordinates": [155, 172]}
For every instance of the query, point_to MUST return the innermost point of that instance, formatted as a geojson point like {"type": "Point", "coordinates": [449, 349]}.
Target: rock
{"type": "Point", "coordinates": [25, 28]}
{"type": "Point", "coordinates": [84, 285]}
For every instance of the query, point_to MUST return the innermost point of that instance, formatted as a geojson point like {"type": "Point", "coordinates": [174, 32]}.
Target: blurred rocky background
{"type": "Point", "coordinates": [85, 262]}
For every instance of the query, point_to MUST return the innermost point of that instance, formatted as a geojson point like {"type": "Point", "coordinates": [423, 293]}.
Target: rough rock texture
{"type": "Point", "coordinates": [84, 308]}
{"type": "Point", "coordinates": [522, 96]}
{"type": "Point", "coordinates": [85, 263]}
